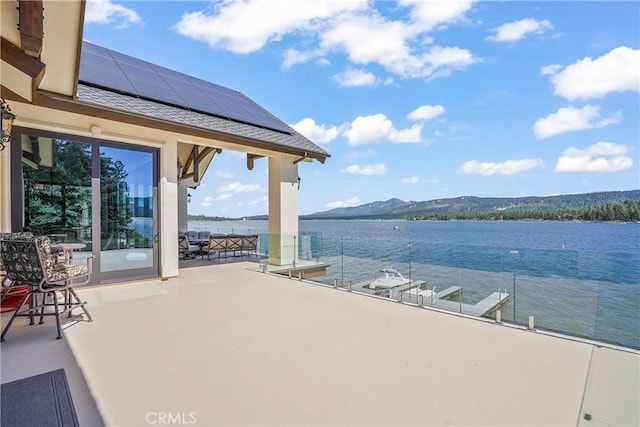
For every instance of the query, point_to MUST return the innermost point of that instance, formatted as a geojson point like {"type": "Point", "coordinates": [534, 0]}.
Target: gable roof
{"type": "Point", "coordinates": [144, 93]}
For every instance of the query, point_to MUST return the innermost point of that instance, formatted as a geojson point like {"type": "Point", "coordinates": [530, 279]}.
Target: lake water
{"type": "Point", "coordinates": [577, 278]}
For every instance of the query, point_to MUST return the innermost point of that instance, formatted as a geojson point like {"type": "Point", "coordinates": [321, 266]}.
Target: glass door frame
{"type": "Point", "coordinates": [18, 201]}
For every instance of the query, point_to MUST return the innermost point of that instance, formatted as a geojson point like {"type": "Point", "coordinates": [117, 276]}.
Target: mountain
{"type": "Point", "coordinates": [375, 208]}
{"type": "Point", "coordinates": [398, 209]}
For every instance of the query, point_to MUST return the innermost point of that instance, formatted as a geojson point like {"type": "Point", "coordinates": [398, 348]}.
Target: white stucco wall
{"type": "Point", "coordinates": [283, 209]}
{"type": "Point", "coordinates": [5, 191]}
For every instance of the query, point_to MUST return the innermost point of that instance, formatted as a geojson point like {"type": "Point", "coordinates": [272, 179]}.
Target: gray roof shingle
{"type": "Point", "coordinates": [182, 116]}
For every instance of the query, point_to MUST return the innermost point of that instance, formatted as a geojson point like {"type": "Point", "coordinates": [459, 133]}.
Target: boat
{"type": "Point", "coordinates": [391, 279]}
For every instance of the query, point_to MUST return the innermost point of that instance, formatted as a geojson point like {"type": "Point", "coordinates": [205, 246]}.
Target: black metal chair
{"type": "Point", "coordinates": [185, 248]}
{"type": "Point", "coordinates": [217, 244]}
{"type": "Point", "coordinates": [29, 262]}
{"type": "Point", "coordinates": [10, 288]}
{"type": "Point", "coordinates": [250, 243]}
{"type": "Point", "coordinates": [234, 243]}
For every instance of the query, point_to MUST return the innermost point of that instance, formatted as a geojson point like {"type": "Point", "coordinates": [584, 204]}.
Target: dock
{"type": "Point", "coordinates": [440, 300]}
{"type": "Point", "coordinates": [479, 309]}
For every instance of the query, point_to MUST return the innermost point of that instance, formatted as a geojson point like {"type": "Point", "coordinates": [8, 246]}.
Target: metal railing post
{"type": "Point", "coordinates": [342, 260]}
{"type": "Point", "coordinates": [531, 323]}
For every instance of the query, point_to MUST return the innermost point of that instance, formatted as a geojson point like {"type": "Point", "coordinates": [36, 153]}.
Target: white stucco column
{"type": "Point", "coordinates": [183, 206]}
{"type": "Point", "coordinates": [168, 191]}
{"type": "Point", "coordinates": [283, 209]}
{"type": "Point", "coordinates": [5, 190]}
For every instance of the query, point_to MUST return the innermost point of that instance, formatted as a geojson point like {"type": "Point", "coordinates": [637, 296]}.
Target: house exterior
{"type": "Point", "coordinates": [102, 140]}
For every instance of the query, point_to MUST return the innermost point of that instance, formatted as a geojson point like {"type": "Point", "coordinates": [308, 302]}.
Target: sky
{"type": "Point", "coordinates": [413, 99]}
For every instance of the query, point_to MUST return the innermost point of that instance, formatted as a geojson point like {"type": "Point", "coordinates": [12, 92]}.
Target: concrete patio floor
{"type": "Point", "coordinates": [228, 345]}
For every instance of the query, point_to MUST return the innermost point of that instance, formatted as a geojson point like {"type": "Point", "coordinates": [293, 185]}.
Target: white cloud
{"type": "Point", "coordinates": [615, 71]}
{"type": "Point", "coordinates": [246, 26]}
{"type": "Point", "coordinates": [431, 14]}
{"type": "Point", "coordinates": [361, 154]}
{"type": "Point", "coordinates": [571, 119]}
{"type": "Point", "coordinates": [237, 187]}
{"type": "Point", "coordinates": [442, 61]}
{"type": "Point", "coordinates": [224, 173]}
{"type": "Point", "coordinates": [510, 167]}
{"type": "Point", "coordinates": [293, 57]}
{"type": "Point", "coordinates": [352, 77]}
{"type": "Point", "coordinates": [354, 201]}
{"type": "Point", "coordinates": [263, 200]}
{"type": "Point", "coordinates": [370, 38]}
{"type": "Point", "coordinates": [411, 180]}
{"type": "Point", "coordinates": [377, 127]}
{"type": "Point", "coordinates": [426, 112]}
{"type": "Point", "coordinates": [599, 157]}
{"type": "Point", "coordinates": [106, 12]}
{"type": "Point", "coordinates": [210, 200]}
{"type": "Point", "coordinates": [354, 28]}
{"type": "Point", "coordinates": [550, 69]}
{"type": "Point", "coordinates": [518, 30]}
{"type": "Point", "coordinates": [375, 169]}
{"type": "Point", "coordinates": [317, 133]}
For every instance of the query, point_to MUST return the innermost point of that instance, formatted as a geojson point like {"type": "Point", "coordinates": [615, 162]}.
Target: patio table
{"type": "Point", "coordinates": [67, 249]}
{"type": "Point", "coordinates": [57, 237]}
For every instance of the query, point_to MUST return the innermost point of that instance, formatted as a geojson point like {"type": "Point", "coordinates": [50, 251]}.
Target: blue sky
{"type": "Point", "coordinates": [413, 99]}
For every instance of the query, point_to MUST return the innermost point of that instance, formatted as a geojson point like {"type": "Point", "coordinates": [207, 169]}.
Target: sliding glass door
{"type": "Point", "coordinates": [127, 200]}
{"type": "Point", "coordinates": [102, 195]}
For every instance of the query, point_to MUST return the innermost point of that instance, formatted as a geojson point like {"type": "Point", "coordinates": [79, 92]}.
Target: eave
{"type": "Point", "coordinates": [57, 102]}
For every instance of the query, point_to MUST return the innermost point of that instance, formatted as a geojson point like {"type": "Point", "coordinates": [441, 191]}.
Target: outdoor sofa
{"type": "Point", "coordinates": [211, 244]}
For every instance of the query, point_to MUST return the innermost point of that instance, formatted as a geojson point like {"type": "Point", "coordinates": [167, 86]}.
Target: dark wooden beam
{"type": "Point", "coordinates": [250, 159]}
{"type": "Point", "coordinates": [197, 155]}
{"type": "Point", "coordinates": [28, 65]}
{"type": "Point", "coordinates": [14, 56]}
{"type": "Point", "coordinates": [30, 24]}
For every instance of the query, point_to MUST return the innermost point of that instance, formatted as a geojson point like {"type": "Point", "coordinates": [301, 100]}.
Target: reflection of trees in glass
{"type": "Point", "coordinates": [58, 197]}
{"type": "Point", "coordinates": [55, 195]}
{"type": "Point", "coordinates": [116, 213]}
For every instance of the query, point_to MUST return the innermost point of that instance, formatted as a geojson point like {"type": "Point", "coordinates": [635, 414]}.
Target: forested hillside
{"type": "Point", "coordinates": [601, 206]}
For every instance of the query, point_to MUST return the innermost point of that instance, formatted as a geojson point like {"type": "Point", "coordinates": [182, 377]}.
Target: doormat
{"type": "Point", "coordinates": [42, 400]}
{"type": "Point", "coordinates": [12, 297]}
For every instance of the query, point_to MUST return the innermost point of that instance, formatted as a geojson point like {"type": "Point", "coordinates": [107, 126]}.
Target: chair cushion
{"type": "Point", "coordinates": [61, 272]}
{"type": "Point", "coordinates": [16, 235]}
{"type": "Point", "coordinates": [44, 248]}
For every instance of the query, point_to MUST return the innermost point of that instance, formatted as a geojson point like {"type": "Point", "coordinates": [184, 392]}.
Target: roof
{"type": "Point", "coordinates": [278, 141]}
{"type": "Point", "coordinates": [235, 120]}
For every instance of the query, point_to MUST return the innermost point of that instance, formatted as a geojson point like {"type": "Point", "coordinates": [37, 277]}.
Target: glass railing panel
{"type": "Point", "coordinates": [618, 298]}
{"type": "Point", "coordinates": [617, 314]}
{"type": "Point", "coordinates": [557, 287]}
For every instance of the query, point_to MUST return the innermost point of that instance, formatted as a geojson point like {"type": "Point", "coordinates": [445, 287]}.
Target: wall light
{"type": "Point", "coordinates": [7, 123]}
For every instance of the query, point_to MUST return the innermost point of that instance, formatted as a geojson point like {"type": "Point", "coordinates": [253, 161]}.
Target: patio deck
{"type": "Point", "coordinates": [227, 345]}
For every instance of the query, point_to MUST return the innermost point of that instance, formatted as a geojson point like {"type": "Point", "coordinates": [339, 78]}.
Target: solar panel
{"type": "Point", "coordinates": [125, 74]}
